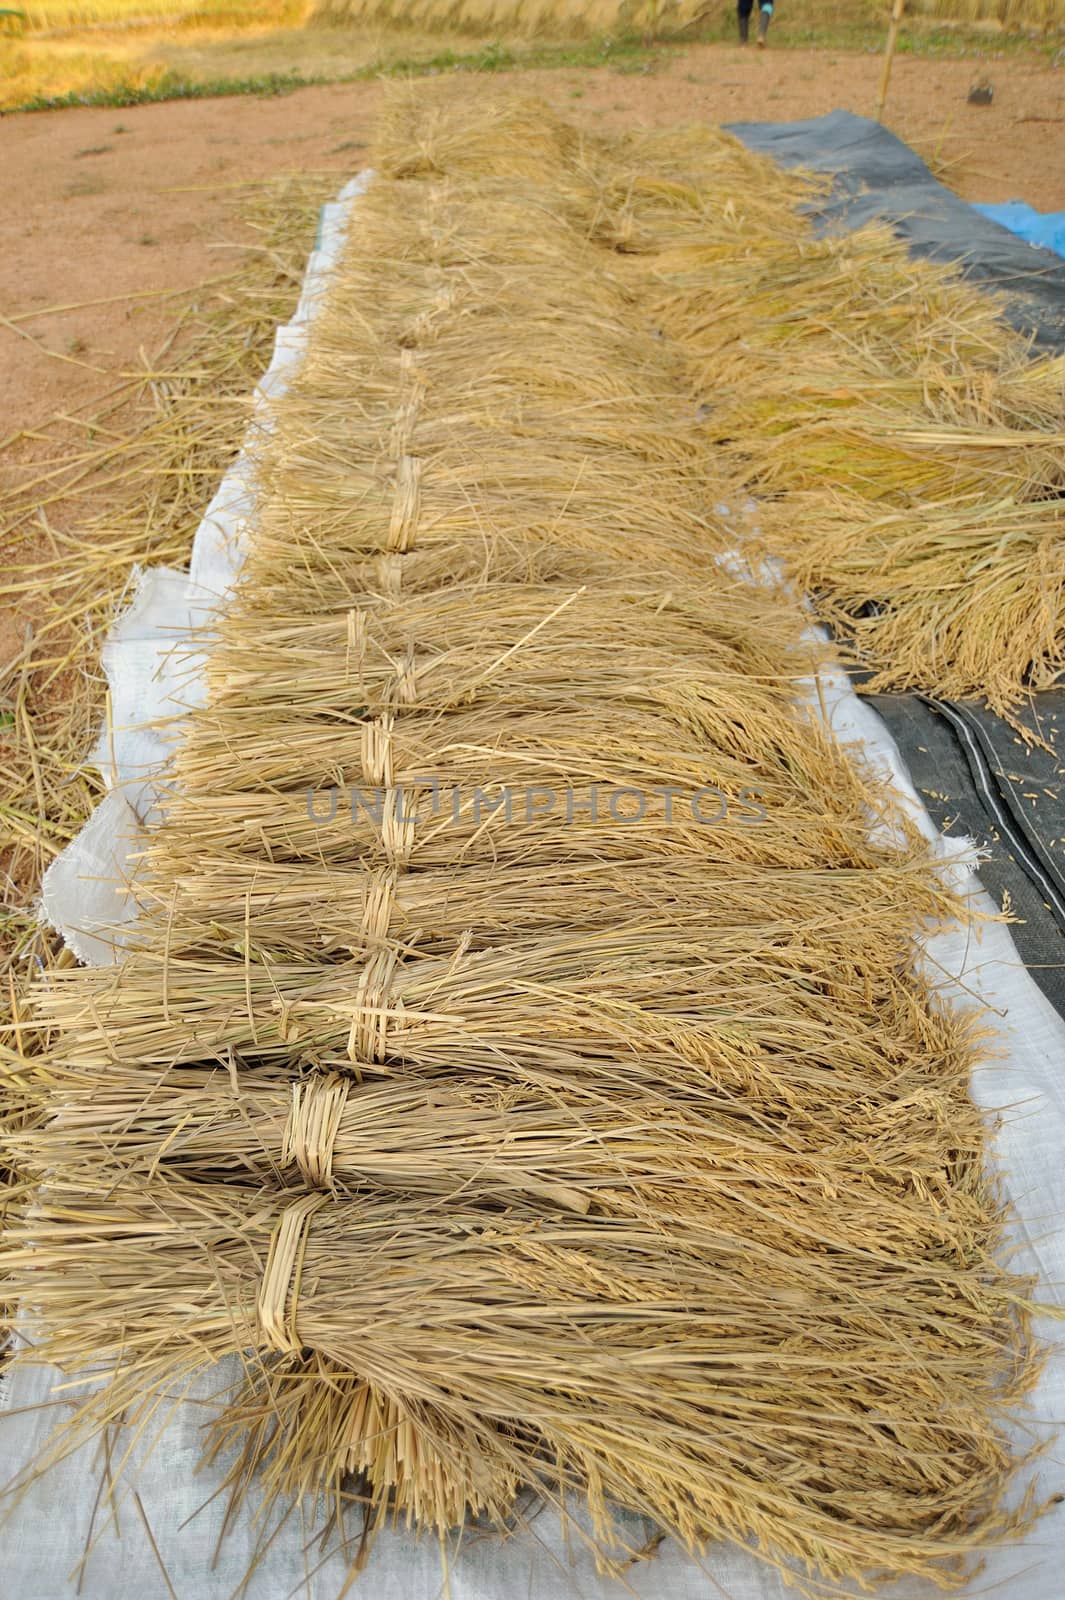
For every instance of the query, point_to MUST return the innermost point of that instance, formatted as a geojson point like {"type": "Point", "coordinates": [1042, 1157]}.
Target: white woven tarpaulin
{"type": "Point", "coordinates": [154, 657]}
{"type": "Point", "coordinates": [158, 1531]}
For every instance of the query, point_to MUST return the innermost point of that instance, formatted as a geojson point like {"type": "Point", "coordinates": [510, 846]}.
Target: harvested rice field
{"type": "Point", "coordinates": [524, 1105]}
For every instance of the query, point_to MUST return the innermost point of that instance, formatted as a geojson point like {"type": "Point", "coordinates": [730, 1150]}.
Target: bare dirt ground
{"type": "Point", "coordinates": [104, 203]}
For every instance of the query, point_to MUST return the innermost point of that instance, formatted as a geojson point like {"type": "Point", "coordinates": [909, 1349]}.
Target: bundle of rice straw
{"type": "Point", "coordinates": [162, 439]}
{"type": "Point", "coordinates": [841, 365]}
{"type": "Point", "coordinates": [1007, 14]}
{"type": "Point", "coordinates": [956, 594]}
{"type": "Point", "coordinates": [558, 19]}
{"type": "Point", "coordinates": [524, 1070]}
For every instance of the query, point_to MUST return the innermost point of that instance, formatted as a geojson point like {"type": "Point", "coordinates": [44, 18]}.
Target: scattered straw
{"type": "Point", "coordinates": [129, 488]}
{"type": "Point", "coordinates": [841, 365]}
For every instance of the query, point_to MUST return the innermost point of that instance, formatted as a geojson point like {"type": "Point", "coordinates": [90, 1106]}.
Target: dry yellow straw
{"type": "Point", "coordinates": [839, 364]}
{"type": "Point", "coordinates": [564, 1107]}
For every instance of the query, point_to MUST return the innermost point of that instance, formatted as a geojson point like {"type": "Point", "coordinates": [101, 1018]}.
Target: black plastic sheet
{"type": "Point", "coordinates": [880, 178]}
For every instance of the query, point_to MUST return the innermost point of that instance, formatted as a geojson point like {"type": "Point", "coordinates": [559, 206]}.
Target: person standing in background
{"type": "Point", "coordinates": [765, 16]}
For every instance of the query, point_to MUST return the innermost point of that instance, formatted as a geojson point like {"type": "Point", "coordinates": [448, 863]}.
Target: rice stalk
{"type": "Point", "coordinates": [723, 1390]}
{"type": "Point", "coordinates": [842, 365]}
{"type": "Point", "coordinates": [652, 1145]}
{"type": "Point", "coordinates": [130, 487]}
{"type": "Point", "coordinates": [535, 18]}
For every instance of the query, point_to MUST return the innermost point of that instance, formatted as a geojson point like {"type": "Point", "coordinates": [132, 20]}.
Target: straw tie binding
{"type": "Point", "coordinates": [356, 646]}
{"type": "Point", "coordinates": [377, 752]}
{"type": "Point", "coordinates": [397, 825]}
{"type": "Point", "coordinates": [377, 908]}
{"type": "Point", "coordinates": [404, 689]}
{"type": "Point", "coordinates": [397, 829]}
{"type": "Point", "coordinates": [369, 1025]}
{"type": "Point", "coordinates": [313, 1122]}
{"type": "Point", "coordinates": [388, 571]}
{"type": "Point", "coordinates": [366, 1041]}
{"type": "Point", "coordinates": [406, 503]}
{"type": "Point", "coordinates": [280, 1287]}
{"type": "Point", "coordinates": [422, 330]}
{"type": "Point", "coordinates": [407, 412]}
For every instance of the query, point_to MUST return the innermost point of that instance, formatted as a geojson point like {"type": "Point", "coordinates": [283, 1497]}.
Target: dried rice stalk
{"type": "Point", "coordinates": [842, 364]}
{"type": "Point", "coordinates": [536, 18]}
{"type": "Point", "coordinates": [666, 1361]}
{"type": "Point", "coordinates": [973, 593]}
{"type": "Point", "coordinates": [654, 1151]}
{"type": "Point", "coordinates": [128, 489]}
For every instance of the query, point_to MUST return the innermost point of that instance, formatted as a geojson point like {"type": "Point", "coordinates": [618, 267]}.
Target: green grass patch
{"type": "Point", "coordinates": [624, 54]}
{"type": "Point", "coordinates": [169, 87]}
